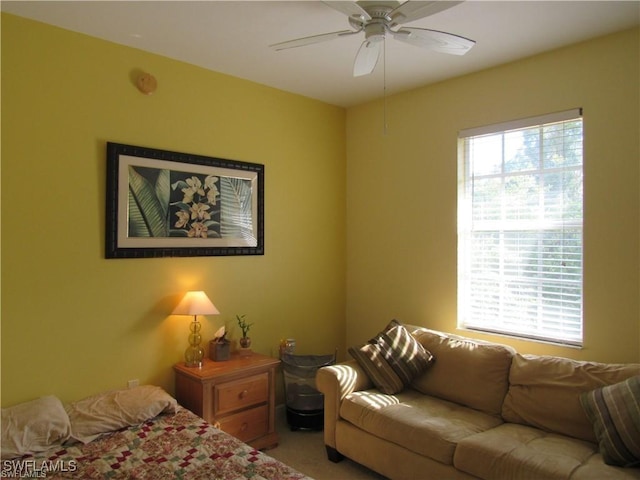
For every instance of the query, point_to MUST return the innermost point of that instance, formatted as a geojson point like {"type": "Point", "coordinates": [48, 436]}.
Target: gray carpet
{"type": "Point", "coordinates": [304, 450]}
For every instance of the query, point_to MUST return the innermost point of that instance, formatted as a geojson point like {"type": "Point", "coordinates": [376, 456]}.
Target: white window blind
{"type": "Point", "coordinates": [520, 204]}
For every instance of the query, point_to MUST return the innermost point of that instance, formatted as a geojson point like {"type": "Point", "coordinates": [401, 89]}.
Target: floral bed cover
{"type": "Point", "coordinates": [171, 446]}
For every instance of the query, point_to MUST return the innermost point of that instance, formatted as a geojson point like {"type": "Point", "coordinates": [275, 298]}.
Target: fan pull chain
{"type": "Point", "coordinates": [384, 81]}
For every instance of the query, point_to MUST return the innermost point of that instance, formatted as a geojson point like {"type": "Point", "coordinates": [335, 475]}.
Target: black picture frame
{"type": "Point", "coordinates": [169, 204]}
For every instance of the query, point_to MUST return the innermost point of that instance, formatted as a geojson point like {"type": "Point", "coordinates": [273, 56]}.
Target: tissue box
{"type": "Point", "coordinates": [219, 351]}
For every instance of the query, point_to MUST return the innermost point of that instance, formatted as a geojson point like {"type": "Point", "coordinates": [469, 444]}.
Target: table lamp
{"type": "Point", "coordinates": [195, 303]}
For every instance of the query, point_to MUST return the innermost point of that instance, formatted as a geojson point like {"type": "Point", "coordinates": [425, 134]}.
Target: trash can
{"type": "Point", "coordinates": [305, 404]}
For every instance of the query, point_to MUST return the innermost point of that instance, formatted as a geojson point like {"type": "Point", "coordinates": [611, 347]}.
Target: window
{"type": "Point", "coordinates": [520, 224]}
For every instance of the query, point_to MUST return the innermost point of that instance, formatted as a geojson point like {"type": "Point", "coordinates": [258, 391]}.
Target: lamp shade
{"type": "Point", "coordinates": [195, 303]}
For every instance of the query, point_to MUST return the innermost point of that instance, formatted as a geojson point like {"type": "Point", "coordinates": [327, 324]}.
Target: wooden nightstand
{"type": "Point", "coordinates": [238, 393]}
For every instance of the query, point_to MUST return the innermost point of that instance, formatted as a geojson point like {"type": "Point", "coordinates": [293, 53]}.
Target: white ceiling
{"type": "Point", "coordinates": [232, 37]}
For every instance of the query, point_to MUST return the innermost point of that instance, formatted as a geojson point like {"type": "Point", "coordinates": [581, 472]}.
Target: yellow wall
{"type": "Point", "coordinates": [402, 188]}
{"type": "Point", "coordinates": [74, 323]}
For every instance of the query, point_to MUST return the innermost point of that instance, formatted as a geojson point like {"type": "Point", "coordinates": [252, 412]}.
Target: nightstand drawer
{"type": "Point", "coordinates": [232, 396]}
{"type": "Point", "coordinates": [247, 425]}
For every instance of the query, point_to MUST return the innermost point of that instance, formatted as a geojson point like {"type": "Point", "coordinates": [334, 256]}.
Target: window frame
{"type": "Point", "coordinates": [567, 336]}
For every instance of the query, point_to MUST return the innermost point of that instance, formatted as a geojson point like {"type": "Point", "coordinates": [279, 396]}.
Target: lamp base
{"type": "Point", "coordinates": [193, 356]}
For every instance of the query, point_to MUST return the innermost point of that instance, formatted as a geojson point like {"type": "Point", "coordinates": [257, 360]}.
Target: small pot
{"type": "Point", "coordinates": [245, 342]}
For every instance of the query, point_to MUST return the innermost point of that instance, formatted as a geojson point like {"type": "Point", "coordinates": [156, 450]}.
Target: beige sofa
{"type": "Point", "coordinates": [481, 410]}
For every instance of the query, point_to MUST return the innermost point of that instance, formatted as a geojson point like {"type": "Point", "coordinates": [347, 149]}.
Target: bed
{"type": "Point", "coordinates": [171, 443]}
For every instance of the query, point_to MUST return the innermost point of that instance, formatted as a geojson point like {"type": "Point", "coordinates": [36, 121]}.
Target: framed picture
{"type": "Point", "coordinates": [169, 204]}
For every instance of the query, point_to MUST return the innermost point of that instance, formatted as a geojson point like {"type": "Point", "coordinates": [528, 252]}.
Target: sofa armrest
{"type": "Point", "coordinates": [336, 382]}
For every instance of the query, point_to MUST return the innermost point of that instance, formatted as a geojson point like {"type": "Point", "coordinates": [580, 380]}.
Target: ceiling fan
{"type": "Point", "coordinates": [379, 18]}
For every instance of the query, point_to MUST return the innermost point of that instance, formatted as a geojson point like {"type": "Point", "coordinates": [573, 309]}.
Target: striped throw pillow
{"type": "Point", "coordinates": [406, 356]}
{"type": "Point", "coordinates": [370, 358]}
{"type": "Point", "coordinates": [614, 411]}
{"type": "Point", "coordinates": [393, 358]}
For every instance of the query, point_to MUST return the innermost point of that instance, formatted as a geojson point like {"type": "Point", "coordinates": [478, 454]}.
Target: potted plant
{"type": "Point", "coordinates": [245, 341]}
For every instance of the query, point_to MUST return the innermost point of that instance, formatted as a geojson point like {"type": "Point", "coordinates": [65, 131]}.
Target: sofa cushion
{"type": "Point", "coordinates": [545, 391]}
{"type": "Point", "coordinates": [463, 370]}
{"type": "Point", "coordinates": [425, 425]}
{"type": "Point", "coordinates": [615, 413]}
{"type": "Point", "coordinates": [523, 452]}
{"type": "Point", "coordinates": [595, 469]}
{"type": "Point", "coordinates": [393, 358]}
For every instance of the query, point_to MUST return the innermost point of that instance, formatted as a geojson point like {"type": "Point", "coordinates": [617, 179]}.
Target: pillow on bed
{"type": "Point", "coordinates": [33, 426]}
{"type": "Point", "coordinates": [113, 410]}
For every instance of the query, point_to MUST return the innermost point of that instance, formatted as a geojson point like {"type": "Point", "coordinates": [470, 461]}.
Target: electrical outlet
{"type": "Point", "coordinates": [133, 383]}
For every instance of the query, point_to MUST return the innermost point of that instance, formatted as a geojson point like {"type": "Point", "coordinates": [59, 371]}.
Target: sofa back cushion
{"type": "Point", "coordinates": [545, 391]}
{"type": "Point", "coordinates": [465, 371]}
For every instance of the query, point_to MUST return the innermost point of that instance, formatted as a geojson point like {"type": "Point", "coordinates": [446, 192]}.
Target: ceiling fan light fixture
{"type": "Point", "coordinates": [377, 18]}
{"type": "Point", "coordinates": [375, 32]}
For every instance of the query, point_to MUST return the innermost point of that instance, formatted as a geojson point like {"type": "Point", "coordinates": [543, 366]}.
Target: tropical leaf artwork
{"type": "Point", "coordinates": [236, 215]}
{"type": "Point", "coordinates": [168, 203]}
{"type": "Point", "coordinates": [194, 206]}
{"type": "Point", "coordinates": [147, 213]}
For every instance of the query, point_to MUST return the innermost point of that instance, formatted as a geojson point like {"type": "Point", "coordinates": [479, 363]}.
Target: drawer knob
{"type": "Point", "coordinates": [244, 426]}
{"type": "Point", "coordinates": [243, 393]}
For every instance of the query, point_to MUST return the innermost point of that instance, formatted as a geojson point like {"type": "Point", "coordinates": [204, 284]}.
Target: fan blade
{"type": "Point", "coordinates": [367, 58]}
{"type": "Point", "coordinates": [349, 9]}
{"type": "Point", "coordinates": [410, 11]}
{"type": "Point", "coordinates": [301, 42]}
{"type": "Point", "coordinates": [438, 41]}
